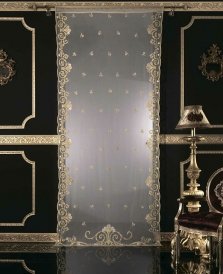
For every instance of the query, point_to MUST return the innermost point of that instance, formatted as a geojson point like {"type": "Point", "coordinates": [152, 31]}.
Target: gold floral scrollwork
{"type": "Point", "coordinates": [212, 64]}
{"type": "Point", "coordinates": [108, 236]}
{"type": "Point", "coordinates": [7, 70]}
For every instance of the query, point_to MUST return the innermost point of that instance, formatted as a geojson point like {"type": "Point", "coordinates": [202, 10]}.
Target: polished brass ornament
{"type": "Point", "coordinates": [7, 70]}
{"type": "Point", "coordinates": [212, 64]}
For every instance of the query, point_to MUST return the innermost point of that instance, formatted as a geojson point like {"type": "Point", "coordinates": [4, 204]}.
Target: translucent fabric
{"type": "Point", "coordinates": [108, 120]}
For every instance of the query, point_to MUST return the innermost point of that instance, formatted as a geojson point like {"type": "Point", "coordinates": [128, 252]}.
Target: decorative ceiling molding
{"type": "Point", "coordinates": [176, 6]}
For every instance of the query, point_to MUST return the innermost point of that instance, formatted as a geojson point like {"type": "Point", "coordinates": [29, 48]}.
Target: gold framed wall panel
{"type": "Point", "coordinates": [182, 50]}
{"type": "Point", "coordinates": [33, 114]}
{"type": "Point", "coordinates": [177, 139]}
{"type": "Point", "coordinates": [167, 5]}
{"type": "Point", "coordinates": [29, 139]}
{"type": "Point", "coordinates": [32, 163]}
{"type": "Point", "coordinates": [22, 262]}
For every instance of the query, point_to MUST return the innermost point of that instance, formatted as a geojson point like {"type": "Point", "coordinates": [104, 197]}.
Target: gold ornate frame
{"type": "Point", "coordinates": [193, 18]}
{"type": "Point", "coordinates": [21, 19]}
{"type": "Point", "coordinates": [32, 213]}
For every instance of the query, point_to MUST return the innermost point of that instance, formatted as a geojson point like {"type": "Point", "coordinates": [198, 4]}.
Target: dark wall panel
{"type": "Point", "coordinates": [16, 41]}
{"type": "Point", "coordinates": [198, 90]}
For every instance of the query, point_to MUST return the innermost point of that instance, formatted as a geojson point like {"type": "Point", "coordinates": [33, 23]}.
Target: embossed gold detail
{"type": "Point", "coordinates": [20, 262]}
{"type": "Point", "coordinates": [177, 139]}
{"type": "Point", "coordinates": [7, 70]}
{"type": "Point", "coordinates": [32, 115]}
{"type": "Point", "coordinates": [64, 217]}
{"type": "Point", "coordinates": [194, 242]}
{"type": "Point", "coordinates": [212, 64]}
{"type": "Point", "coordinates": [108, 236]}
{"type": "Point", "coordinates": [178, 6]}
{"type": "Point", "coordinates": [193, 18]}
{"type": "Point", "coordinates": [29, 140]}
{"type": "Point", "coordinates": [29, 237]}
{"type": "Point", "coordinates": [153, 68]}
{"type": "Point", "coordinates": [32, 213]}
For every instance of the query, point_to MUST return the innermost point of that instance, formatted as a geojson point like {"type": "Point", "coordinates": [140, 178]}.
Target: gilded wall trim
{"type": "Point", "coordinates": [193, 18]}
{"type": "Point", "coordinates": [12, 261]}
{"type": "Point", "coordinates": [32, 163]}
{"type": "Point", "coordinates": [181, 6]}
{"type": "Point", "coordinates": [177, 139]}
{"type": "Point", "coordinates": [29, 139]}
{"type": "Point", "coordinates": [33, 114]}
{"type": "Point", "coordinates": [29, 237]}
{"type": "Point", "coordinates": [28, 247]}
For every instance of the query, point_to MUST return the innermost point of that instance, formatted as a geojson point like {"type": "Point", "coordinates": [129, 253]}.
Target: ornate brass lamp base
{"type": "Point", "coordinates": [193, 173]}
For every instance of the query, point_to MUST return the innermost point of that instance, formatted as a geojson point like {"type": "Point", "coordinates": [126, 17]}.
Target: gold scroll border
{"type": "Point", "coordinates": [193, 18]}
{"type": "Point", "coordinates": [20, 262]}
{"type": "Point", "coordinates": [32, 213]}
{"type": "Point", "coordinates": [33, 115]}
{"type": "Point", "coordinates": [182, 163]}
{"type": "Point", "coordinates": [64, 217]}
{"type": "Point", "coordinates": [166, 5]}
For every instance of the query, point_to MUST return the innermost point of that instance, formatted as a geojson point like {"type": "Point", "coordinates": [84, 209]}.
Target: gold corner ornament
{"type": "Point", "coordinates": [7, 68]}
{"type": "Point", "coordinates": [212, 63]}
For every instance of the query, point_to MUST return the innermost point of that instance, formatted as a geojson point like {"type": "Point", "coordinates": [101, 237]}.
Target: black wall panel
{"type": "Point", "coordinates": [16, 42]}
{"type": "Point", "coordinates": [198, 90]}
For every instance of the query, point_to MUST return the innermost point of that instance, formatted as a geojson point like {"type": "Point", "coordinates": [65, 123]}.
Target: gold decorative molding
{"type": "Point", "coordinates": [29, 139]}
{"type": "Point", "coordinates": [166, 5]}
{"type": "Point", "coordinates": [193, 18]}
{"type": "Point", "coordinates": [28, 247]}
{"type": "Point", "coordinates": [32, 213]}
{"type": "Point", "coordinates": [28, 237]}
{"type": "Point", "coordinates": [177, 139]}
{"type": "Point", "coordinates": [20, 262]}
{"type": "Point", "coordinates": [32, 115]}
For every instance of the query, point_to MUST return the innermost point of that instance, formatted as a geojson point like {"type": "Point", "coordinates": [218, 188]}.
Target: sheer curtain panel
{"type": "Point", "coordinates": [108, 122]}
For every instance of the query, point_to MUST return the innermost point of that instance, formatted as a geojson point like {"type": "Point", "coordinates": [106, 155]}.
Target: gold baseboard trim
{"type": "Point", "coordinates": [28, 237]}
{"type": "Point", "coordinates": [177, 139]}
{"type": "Point", "coordinates": [29, 139]}
{"type": "Point", "coordinates": [166, 236]}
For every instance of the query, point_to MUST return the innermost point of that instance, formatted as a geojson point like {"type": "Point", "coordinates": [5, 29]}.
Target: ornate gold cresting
{"type": "Point", "coordinates": [193, 117]}
{"type": "Point", "coordinates": [212, 63]}
{"type": "Point", "coordinates": [7, 70]}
